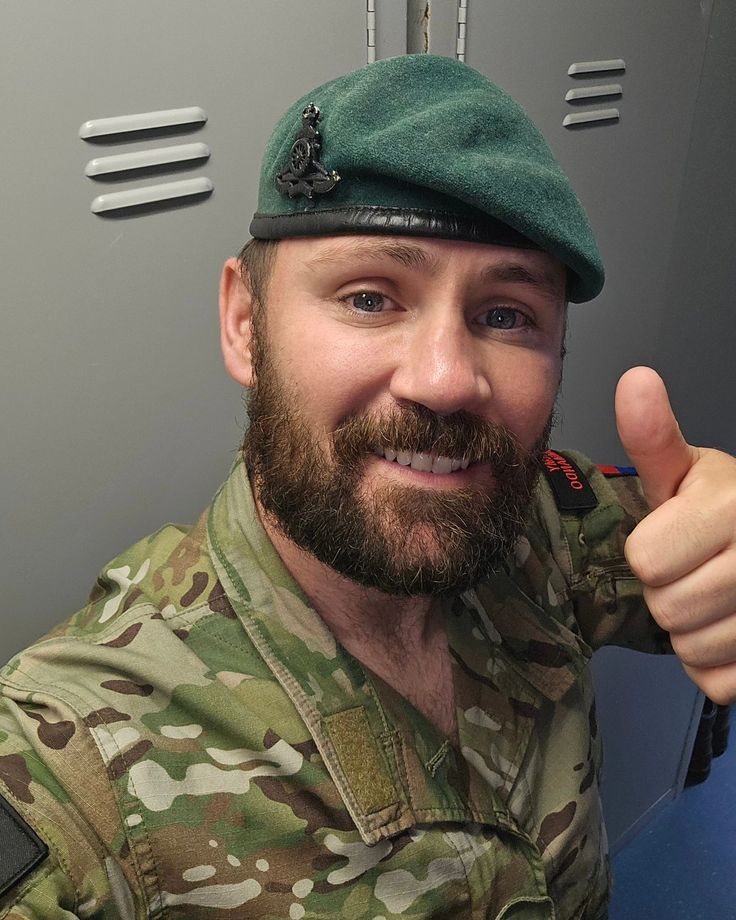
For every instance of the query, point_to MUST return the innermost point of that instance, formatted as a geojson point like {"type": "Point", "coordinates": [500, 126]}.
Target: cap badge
{"type": "Point", "coordinates": [304, 174]}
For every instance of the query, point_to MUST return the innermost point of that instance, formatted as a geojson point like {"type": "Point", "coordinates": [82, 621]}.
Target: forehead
{"type": "Point", "coordinates": [429, 256]}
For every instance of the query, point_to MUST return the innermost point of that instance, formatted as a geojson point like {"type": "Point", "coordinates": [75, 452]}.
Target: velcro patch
{"type": "Point", "coordinates": [21, 849]}
{"type": "Point", "coordinates": [361, 760]}
{"type": "Point", "coordinates": [571, 489]}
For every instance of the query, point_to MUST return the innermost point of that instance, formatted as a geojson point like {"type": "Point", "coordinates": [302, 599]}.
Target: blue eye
{"type": "Point", "coordinates": [367, 301]}
{"type": "Point", "coordinates": [504, 318]}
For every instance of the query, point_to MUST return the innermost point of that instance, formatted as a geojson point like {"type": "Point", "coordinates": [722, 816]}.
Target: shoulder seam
{"type": "Point", "coordinates": [74, 702]}
{"type": "Point", "coordinates": [99, 638]}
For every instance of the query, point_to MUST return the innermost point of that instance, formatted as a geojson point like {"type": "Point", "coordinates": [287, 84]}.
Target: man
{"type": "Point", "coordinates": [358, 686]}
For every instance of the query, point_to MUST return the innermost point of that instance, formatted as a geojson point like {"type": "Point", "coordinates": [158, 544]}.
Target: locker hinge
{"type": "Point", "coordinates": [462, 28]}
{"type": "Point", "coordinates": [370, 26]}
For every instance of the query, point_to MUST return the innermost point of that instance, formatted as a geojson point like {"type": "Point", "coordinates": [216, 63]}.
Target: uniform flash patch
{"type": "Point", "coordinates": [21, 849]}
{"type": "Point", "coordinates": [571, 489]}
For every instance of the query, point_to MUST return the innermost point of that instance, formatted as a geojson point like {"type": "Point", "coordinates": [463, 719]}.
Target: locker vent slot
{"type": "Point", "coordinates": [147, 125]}
{"type": "Point", "coordinates": [143, 159]}
{"type": "Point", "coordinates": [592, 92]}
{"type": "Point", "coordinates": [586, 92]}
{"type": "Point", "coordinates": [151, 194]}
{"type": "Point", "coordinates": [143, 121]}
{"type": "Point", "coordinates": [586, 67]}
{"type": "Point", "coordinates": [582, 118]}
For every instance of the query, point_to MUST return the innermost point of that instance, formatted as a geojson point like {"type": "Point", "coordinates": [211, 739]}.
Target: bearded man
{"type": "Point", "coordinates": [358, 686]}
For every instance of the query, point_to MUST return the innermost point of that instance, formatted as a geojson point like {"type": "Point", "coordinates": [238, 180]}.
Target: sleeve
{"type": "Point", "coordinates": [588, 545]}
{"type": "Point", "coordinates": [46, 894]}
{"type": "Point", "coordinates": [53, 864]}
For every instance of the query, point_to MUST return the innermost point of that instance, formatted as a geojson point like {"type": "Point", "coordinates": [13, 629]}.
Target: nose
{"type": "Point", "coordinates": [440, 367]}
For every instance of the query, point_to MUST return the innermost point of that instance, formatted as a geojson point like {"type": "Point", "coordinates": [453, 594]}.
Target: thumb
{"type": "Point", "coordinates": [650, 434]}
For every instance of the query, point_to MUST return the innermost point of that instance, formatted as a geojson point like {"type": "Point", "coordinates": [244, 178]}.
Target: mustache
{"type": "Point", "coordinates": [417, 428]}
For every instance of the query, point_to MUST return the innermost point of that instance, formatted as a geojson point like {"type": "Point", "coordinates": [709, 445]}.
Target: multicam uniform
{"type": "Point", "coordinates": [195, 743]}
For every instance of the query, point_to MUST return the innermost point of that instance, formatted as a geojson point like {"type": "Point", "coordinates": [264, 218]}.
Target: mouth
{"type": "Point", "coordinates": [423, 462]}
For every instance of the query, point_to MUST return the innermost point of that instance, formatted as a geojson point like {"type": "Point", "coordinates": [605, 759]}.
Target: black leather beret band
{"type": "Point", "coordinates": [386, 220]}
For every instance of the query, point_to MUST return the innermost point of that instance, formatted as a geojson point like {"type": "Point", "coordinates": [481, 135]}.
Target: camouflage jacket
{"type": "Point", "coordinates": [195, 743]}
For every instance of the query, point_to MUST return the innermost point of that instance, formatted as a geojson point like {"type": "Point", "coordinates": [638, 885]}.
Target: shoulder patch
{"type": "Point", "coordinates": [571, 489]}
{"type": "Point", "coordinates": [21, 849]}
{"type": "Point", "coordinates": [609, 471]}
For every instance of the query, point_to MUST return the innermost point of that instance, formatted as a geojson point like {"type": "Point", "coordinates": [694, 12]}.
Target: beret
{"type": "Point", "coordinates": [422, 145]}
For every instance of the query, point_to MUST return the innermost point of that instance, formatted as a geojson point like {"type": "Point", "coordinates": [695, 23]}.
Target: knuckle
{"type": "Point", "coordinates": [642, 561]}
{"type": "Point", "coordinates": [723, 695]}
{"type": "Point", "coordinates": [664, 610]}
{"type": "Point", "coordinates": [687, 651]}
{"type": "Point", "coordinates": [717, 686]}
{"type": "Point", "coordinates": [714, 655]}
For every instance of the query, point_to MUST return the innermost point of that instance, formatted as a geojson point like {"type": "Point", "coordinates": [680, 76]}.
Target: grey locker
{"type": "Point", "coordinates": [614, 89]}
{"type": "Point", "coordinates": [117, 413]}
{"type": "Point", "coordinates": [628, 170]}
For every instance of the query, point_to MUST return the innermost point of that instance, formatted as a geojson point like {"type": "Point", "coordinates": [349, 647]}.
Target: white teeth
{"type": "Point", "coordinates": [423, 462]}
{"type": "Point", "coordinates": [442, 465]}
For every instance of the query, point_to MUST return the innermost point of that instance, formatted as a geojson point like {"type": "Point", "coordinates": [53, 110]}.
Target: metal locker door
{"type": "Point", "coordinates": [641, 65]}
{"type": "Point", "coordinates": [613, 88]}
{"type": "Point", "coordinates": [118, 415]}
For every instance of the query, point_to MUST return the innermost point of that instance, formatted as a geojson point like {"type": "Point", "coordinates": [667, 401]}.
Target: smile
{"type": "Point", "coordinates": [423, 463]}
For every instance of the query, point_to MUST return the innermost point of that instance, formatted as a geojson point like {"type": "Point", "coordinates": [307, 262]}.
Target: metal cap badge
{"type": "Point", "coordinates": [305, 175]}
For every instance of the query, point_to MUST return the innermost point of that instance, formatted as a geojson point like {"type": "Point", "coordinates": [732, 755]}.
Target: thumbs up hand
{"type": "Point", "coordinates": [684, 551]}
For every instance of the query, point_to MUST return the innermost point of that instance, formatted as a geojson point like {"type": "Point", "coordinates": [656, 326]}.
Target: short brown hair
{"type": "Point", "coordinates": [256, 260]}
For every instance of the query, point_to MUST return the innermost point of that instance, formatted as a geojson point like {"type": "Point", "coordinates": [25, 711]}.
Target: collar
{"type": "Point", "coordinates": [391, 767]}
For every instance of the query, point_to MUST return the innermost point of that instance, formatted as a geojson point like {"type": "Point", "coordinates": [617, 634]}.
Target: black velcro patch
{"type": "Point", "coordinates": [21, 849]}
{"type": "Point", "coordinates": [571, 489]}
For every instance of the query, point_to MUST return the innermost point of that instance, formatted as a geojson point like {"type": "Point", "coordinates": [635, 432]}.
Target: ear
{"type": "Point", "coordinates": [236, 311]}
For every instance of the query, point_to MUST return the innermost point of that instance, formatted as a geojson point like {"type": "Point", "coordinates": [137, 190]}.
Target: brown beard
{"type": "Point", "coordinates": [401, 540]}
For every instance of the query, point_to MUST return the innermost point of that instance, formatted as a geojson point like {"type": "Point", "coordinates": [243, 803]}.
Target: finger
{"type": "Point", "coordinates": [709, 647]}
{"type": "Point", "coordinates": [650, 434]}
{"type": "Point", "coordinates": [702, 597]}
{"type": "Point", "coordinates": [719, 683]}
{"type": "Point", "coordinates": [678, 537]}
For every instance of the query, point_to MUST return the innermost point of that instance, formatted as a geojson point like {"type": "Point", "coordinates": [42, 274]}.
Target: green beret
{"type": "Point", "coordinates": [422, 145]}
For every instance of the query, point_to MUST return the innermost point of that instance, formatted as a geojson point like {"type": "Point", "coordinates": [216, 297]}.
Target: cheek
{"type": "Point", "coordinates": [331, 374]}
{"type": "Point", "coordinates": [524, 395]}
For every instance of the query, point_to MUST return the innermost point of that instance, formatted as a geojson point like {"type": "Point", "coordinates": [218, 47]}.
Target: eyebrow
{"type": "Point", "coordinates": [515, 273]}
{"type": "Point", "coordinates": [403, 253]}
{"type": "Point", "coordinates": [410, 256]}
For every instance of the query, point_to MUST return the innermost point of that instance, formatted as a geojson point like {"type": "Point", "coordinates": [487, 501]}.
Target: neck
{"type": "Point", "coordinates": [359, 617]}
{"type": "Point", "coordinates": [402, 640]}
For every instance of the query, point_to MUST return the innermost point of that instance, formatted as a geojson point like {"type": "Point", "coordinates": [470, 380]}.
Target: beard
{"type": "Point", "coordinates": [399, 539]}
